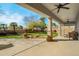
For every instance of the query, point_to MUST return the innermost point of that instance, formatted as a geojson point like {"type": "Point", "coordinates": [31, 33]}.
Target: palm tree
{"type": "Point", "coordinates": [0, 27]}
{"type": "Point", "coordinates": [13, 25]}
{"type": "Point", "coordinates": [21, 27]}
{"type": "Point", "coordinates": [4, 26]}
{"type": "Point", "coordinates": [43, 19]}
{"type": "Point", "coordinates": [54, 25]}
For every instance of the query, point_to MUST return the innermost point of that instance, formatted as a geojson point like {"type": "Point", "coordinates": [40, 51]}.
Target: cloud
{"type": "Point", "coordinates": [7, 18]}
{"type": "Point", "coordinates": [15, 13]}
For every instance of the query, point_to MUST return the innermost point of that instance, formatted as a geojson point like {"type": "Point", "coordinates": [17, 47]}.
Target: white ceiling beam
{"type": "Point", "coordinates": [40, 9]}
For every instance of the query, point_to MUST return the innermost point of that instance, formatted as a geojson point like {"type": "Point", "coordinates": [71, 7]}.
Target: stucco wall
{"type": "Point", "coordinates": [77, 26]}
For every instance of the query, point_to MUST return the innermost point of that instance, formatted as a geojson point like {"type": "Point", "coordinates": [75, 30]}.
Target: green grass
{"type": "Point", "coordinates": [54, 34]}
{"type": "Point", "coordinates": [34, 34]}
{"type": "Point", "coordinates": [11, 36]}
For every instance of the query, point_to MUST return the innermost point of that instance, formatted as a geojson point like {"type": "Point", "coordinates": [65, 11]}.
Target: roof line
{"type": "Point", "coordinates": [42, 9]}
{"type": "Point", "coordinates": [45, 10]}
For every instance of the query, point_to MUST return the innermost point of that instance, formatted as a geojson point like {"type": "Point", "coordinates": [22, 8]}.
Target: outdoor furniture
{"type": "Point", "coordinates": [73, 35]}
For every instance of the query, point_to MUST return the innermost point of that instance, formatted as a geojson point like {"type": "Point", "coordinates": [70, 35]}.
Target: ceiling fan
{"type": "Point", "coordinates": [59, 6]}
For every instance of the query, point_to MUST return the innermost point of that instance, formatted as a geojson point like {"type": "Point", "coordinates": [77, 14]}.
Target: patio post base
{"type": "Point", "coordinates": [49, 39]}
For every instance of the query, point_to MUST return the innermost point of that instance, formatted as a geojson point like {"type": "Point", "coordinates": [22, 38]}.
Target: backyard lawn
{"type": "Point", "coordinates": [42, 34]}
{"type": "Point", "coordinates": [11, 36]}
{"type": "Point", "coordinates": [33, 34]}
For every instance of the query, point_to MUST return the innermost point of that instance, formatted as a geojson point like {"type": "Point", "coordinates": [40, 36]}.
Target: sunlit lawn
{"type": "Point", "coordinates": [33, 34]}
{"type": "Point", "coordinates": [12, 36]}
{"type": "Point", "coordinates": [54, 34]}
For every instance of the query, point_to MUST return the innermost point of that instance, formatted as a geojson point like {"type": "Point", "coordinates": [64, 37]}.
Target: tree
{"type": "Point", "coordinates": [4, 26]}
{"type": "Point", "coordinates": [32, 25]}
{"type": "Point", "coordinates": [43, 19]}
{"type": "Point", "coordinates": [37, 24]}
{"type": "Point", "coordinates": [21, 27]}
{"type": "Point", "coordinates": [41, 23]}
{"type": "Point", "coordinates": [14, 26]}
{"type": "Point", "coordinates": [0, 28]}
{"type": "Point", "coordinates": [54, 25]}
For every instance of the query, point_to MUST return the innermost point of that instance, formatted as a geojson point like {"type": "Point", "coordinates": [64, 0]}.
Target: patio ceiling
{"type": "Point", "coordinates": [62, 16]}
{"type": "Point", "coordinates": [40, 9]}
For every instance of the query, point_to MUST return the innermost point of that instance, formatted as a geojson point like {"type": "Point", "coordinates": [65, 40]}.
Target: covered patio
{"type": "Point", "coordinates": [67, 19]}
{"type": "Point", "coordinates": [60, 45]}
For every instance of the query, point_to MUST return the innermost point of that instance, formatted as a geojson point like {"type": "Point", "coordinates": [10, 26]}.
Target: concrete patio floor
{"type": "Point", "coordinates": [39, 47]}
{"type": "Point", "coordinates": [60, 48]}
{"type": "Point", "coordinates": [19, 46]}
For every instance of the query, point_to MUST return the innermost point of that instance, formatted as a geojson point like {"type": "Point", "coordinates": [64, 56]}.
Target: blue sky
{"type": "Point", "coordinates": [14, 13]}
{"type": "Point", "coordinates": [10, 12]}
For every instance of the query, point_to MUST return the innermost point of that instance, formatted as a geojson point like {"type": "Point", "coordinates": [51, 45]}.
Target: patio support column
{"type": "Point", "coordinates": [49, 30]}
{"type": "Point", "coordinates": [61, 25]}
{"type": "Point", "coordinates": [60, 30]}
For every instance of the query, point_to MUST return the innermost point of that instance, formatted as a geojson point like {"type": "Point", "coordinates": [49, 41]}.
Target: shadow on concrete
{"type": "Point", "coordinates": [64, 40]}
{"type": "Point", "coordinates": [2, 46]}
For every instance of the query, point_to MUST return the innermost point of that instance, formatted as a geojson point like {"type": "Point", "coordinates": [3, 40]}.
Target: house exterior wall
{"type": "Point", "coordinates": [77, 26]}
